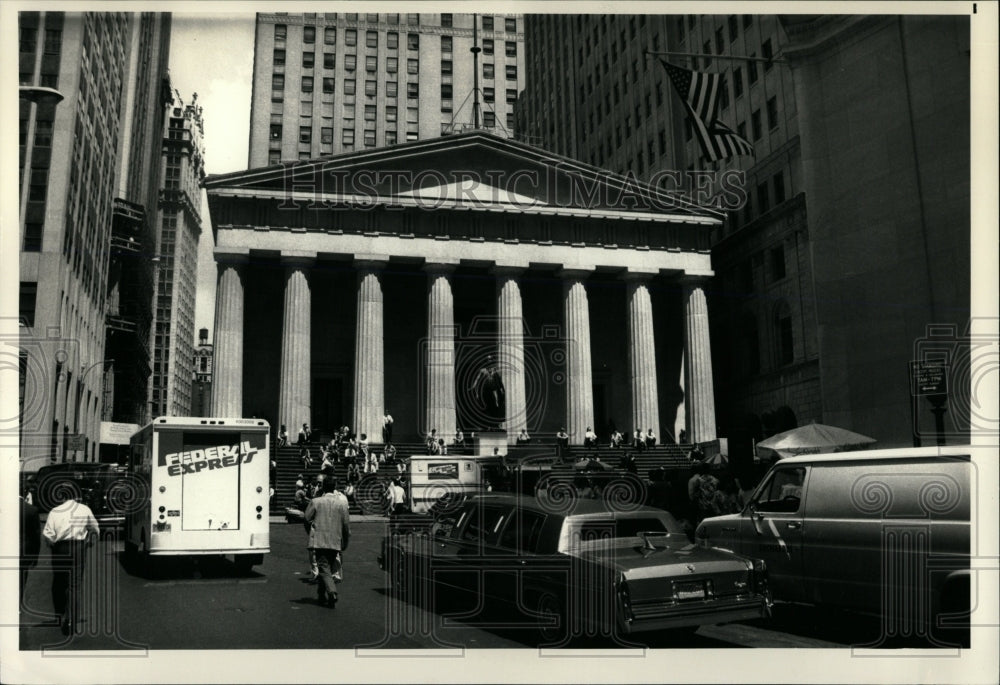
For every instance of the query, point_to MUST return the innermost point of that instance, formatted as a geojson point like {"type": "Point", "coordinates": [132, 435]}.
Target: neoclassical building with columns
{"type": "Point", "coordinates": [388, 280]}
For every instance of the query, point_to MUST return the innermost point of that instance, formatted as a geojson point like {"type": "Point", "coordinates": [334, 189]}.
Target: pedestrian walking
{"type": "Point", "coordinates": [30, 538]}
{"type": "Point", "coordinates": [69, 530]}
{"type": "Point", "coordinates": [329, 536]}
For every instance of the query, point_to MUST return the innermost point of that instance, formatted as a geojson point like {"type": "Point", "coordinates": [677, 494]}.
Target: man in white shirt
{"type": "Point", "coordinates": [397, 498]}
{"type": "Point", "coordinates": [69, 530]}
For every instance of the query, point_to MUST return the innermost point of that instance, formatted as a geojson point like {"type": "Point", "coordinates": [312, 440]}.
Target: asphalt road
{"type": "Point", "coordinates": [207, 604]}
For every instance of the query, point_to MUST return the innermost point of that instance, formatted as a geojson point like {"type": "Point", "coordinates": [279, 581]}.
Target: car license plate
{"type": "Point", "coordinates": [689, 590]}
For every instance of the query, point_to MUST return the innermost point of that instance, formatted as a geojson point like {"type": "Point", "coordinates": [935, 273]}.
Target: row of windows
{"type": "Point", "coordinates": [28, 40]}
{"type": "Point", "coordinates": [330, 32]}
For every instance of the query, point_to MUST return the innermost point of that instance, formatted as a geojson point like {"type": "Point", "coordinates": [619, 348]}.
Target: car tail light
{"type": "Point", "coordinates": [624, 598]}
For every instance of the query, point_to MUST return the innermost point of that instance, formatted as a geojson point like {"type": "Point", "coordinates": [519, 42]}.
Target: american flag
{"type": "Point", "coordinates": [700, 92]}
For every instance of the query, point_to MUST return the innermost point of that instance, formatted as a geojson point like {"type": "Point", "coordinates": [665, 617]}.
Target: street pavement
{"type": "Point", "coordinates": [206, 604]}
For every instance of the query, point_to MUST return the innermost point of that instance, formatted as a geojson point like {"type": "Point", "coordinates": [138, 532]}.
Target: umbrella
{"type": "Point", "coordinates": [815, 438]}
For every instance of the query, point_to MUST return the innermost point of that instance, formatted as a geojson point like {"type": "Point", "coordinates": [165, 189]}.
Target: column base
{"type": "Point", "coordinates": [485, 442]}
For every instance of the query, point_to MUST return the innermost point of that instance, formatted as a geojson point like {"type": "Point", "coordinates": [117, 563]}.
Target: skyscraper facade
{"type": "Point", "coordinates": [178, 224]}
{"type": "Point", "coordinates": [71, 209]}
{"type": "Point", "coordinates": [325, 83]}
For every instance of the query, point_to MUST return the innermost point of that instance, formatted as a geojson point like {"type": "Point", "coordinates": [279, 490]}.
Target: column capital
{"type": "Point", "coordinates": [298, 258]}
{"type": "Point", "coordinates": [371, 262]}
{"type": "Point", "coordinates": [640, 275]}
{"type": "Point", "coordinates": [510, 270]}
{"type": "Point", "coordinates": [576, 272]}
{"type": "Point", "coordinates": [440, 266]}
{"type": "Point", "coordinates": [695, 279]}
{"type": "Point", "coordinates": [231, 255]}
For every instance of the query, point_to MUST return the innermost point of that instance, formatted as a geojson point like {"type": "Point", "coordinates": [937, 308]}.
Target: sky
{"type": "Point", "coordinates": [212, 55]}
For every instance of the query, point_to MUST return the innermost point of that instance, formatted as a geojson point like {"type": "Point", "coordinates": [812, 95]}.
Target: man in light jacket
{"type": "Point", "coordinates": [329, 536]}
{"type": "Point", "coordinates": [69, 529]}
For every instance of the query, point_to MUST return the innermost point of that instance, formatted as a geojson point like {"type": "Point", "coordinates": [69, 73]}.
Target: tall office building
{"type": "Point", "coordinates": [133, 237]}
{"type": "Point", "coordinates": [337, 82]}
{"type": "Point", "coordinates": [595, 95]}
{"type": "Point", "coordinates": [178, 224]}
{"type": "Point", "coordinates": [70, 158]}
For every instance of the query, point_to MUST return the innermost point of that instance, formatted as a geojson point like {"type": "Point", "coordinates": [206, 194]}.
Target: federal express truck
{"type": "Point", "coordinates": [201, 487]}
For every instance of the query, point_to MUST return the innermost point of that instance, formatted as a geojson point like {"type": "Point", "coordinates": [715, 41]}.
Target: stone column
{"type": "Point", "coordinates": [699, 385]}
{"type": "Point", "coordinates": [440, 370]}
{"type": "Point", "coordinates": [579, 375]}
{"type": "Point", "coordinates": [369, 359]}
{"type": "Point", "coordinates": [227, 381]}
{"type": "Point", "coordinates": [294, 395]}
{"type": "Point", "coordinates": [510, 348]}
{"type": "Point", "coordinates": [642, 355]}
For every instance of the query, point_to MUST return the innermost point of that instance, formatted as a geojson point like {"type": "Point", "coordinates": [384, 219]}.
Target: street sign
{"type": "Point", "coordinates": [76, 443]}
{"type": "Point", "coordinates": [928, 378]}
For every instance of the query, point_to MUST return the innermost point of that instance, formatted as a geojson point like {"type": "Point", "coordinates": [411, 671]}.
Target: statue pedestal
{"type": "Point", "coordinates": [484, 443]}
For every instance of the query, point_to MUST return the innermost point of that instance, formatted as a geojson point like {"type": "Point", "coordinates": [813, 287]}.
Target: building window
{"type": "Point", "coordinates": [412, 135]}
{"type": "Point", "coordinates": [278, 82]}
{"type": "Point", "coordinates": [371, 18]}
{"type": "Point", "coordinates": [326, 135]}
{"type": "Point", "coordinates": [779, 188]}
{"type": "Point", "coordinates": [511, 96]}
{"type": "Point", "coordinates": [391, 89]}
{"type": "Point", "coordinates": [330, 35]}
{"type": "Point", "coordinates": [511, 72]}
{"type": "Point", "coordinates": [413, 19]}
{"type": "Point", "coordinates": [349, 87]}
{"type": "Point", "coordinates": [371, 88]}
{"type": "Point", "coordinates": [487, 70]}
{"type": "Point", "coordinates": [489, 94]}
{"type": "Point", "coordinates": [777, 263]}
{"type": "Point", "coordinates": [348, 136]}
{"type": "Point", "coordinates": [305, 134]}
{"type": "Point", "coordinates": [446, 67]}
{"type": "Point", "coordinates": [371, 39]}
{"type": "Point", "coordinates": [510, 25]}
{"type": "Point", "coordinates": [412, 41]}
{"type": "Point", "coordinates": [752, 70]}
{"type": "Point", "coordinates": [487, 23]}
{"type": "Point", "coordinates": [390, 137]}
{"type": "Point", "coordinates": [412, 90]}
{"type": "Point", "coordinates": [279, 57]}
{"type": "Point", "coordinates": [762, 205]}
{"type": "Point", "coordinates": [783, 334]}
{"type": "Point", "coordinates": [446, 91]}
{"type": "Point", "coordinates": [392, 40]}
{"type": "Point", "coordinates": [737, 82]}
{"type": "Point", "coordinates": [755, 124]}
{"type": "Point", "coordinates": [329, 85]}
{"type": "Point", "coordinates": [747, 20]}
{"type": "Point", "coordinates": [275, 131]}
{"type": "Point", "coordinates": [734, 30]}
{"type": "Point", "coordinates": [307, 84]}
{"type": "Point", "coordinates": [446, 104]}
{"type": "Point", "coordinates": [510, 122]}
{"type": "Point", "coordinates": [488, 46]}
{"type": "Point", "coordinates": [412, 66]}
{"type": "Point", "coordinates": [280, 31]}
{"type": "Point", "coordinates": [329, 60]}
{"type": "Point", "coordinates": [369, 138]}
{"type": "Point", "coordinates": [308, 34]}
{"type": "Point", "coordinates": [391, 65]}
{"type": "Point", "coordinates": [350, 62]}
{"type": "Point", "coordinates": [351, 37]}
{"type": "Point", "coordinates": [741, 129]}
{"type": "Point", "coordinates": [308, 59]}
{"type": "Point", "coordinates": [446, 20]}
{"type": "Point", "coordinates": [489, 119]}
{"type": "Point", "coordinates": [767, 53]}
{"type": "Point", "coordinates": [446, 44]}
{"type": "Point", "coordinates": [38, 185]}
{"type": "Point", "coordinates": [32, 237]}
{"type": "Point", "coordinates": [720, 42]}
{"type": "Point", "coordinates": [371, 63]}
{"type": "Point", "coordinates": [390, 114]}
{"type": "Point", "coordinates": [510, 48]}
{"type": "Point", "coordinates": [772, 113]}
{"type": "Point", "coordinates": [26, 303]}
{"type": "Point", "coordinates": [43, 133]}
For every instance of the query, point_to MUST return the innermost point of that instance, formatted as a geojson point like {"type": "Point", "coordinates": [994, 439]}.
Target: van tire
{"type": "Point", "coordinates": [552, 629]}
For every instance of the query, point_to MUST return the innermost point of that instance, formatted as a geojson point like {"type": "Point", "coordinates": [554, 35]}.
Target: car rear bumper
{"type": "Point", "coordinates": [696, 613]}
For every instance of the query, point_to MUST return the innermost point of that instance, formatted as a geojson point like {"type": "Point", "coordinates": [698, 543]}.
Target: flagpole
{"type": "Point", "coordinates": [738, 58]}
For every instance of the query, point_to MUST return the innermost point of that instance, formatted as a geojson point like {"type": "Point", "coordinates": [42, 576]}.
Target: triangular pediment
{"type": "Point", "coordinates": [473, 169]}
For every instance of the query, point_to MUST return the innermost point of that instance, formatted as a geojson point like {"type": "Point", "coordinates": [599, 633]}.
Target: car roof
{"type": "Point", "coordinates": [886, 454]}
{"type": "Point", "coordinates": [583, 507]}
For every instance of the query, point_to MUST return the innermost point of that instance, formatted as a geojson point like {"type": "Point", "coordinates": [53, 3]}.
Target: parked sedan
{"type": "Point", "coordinates": [575, 569]}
